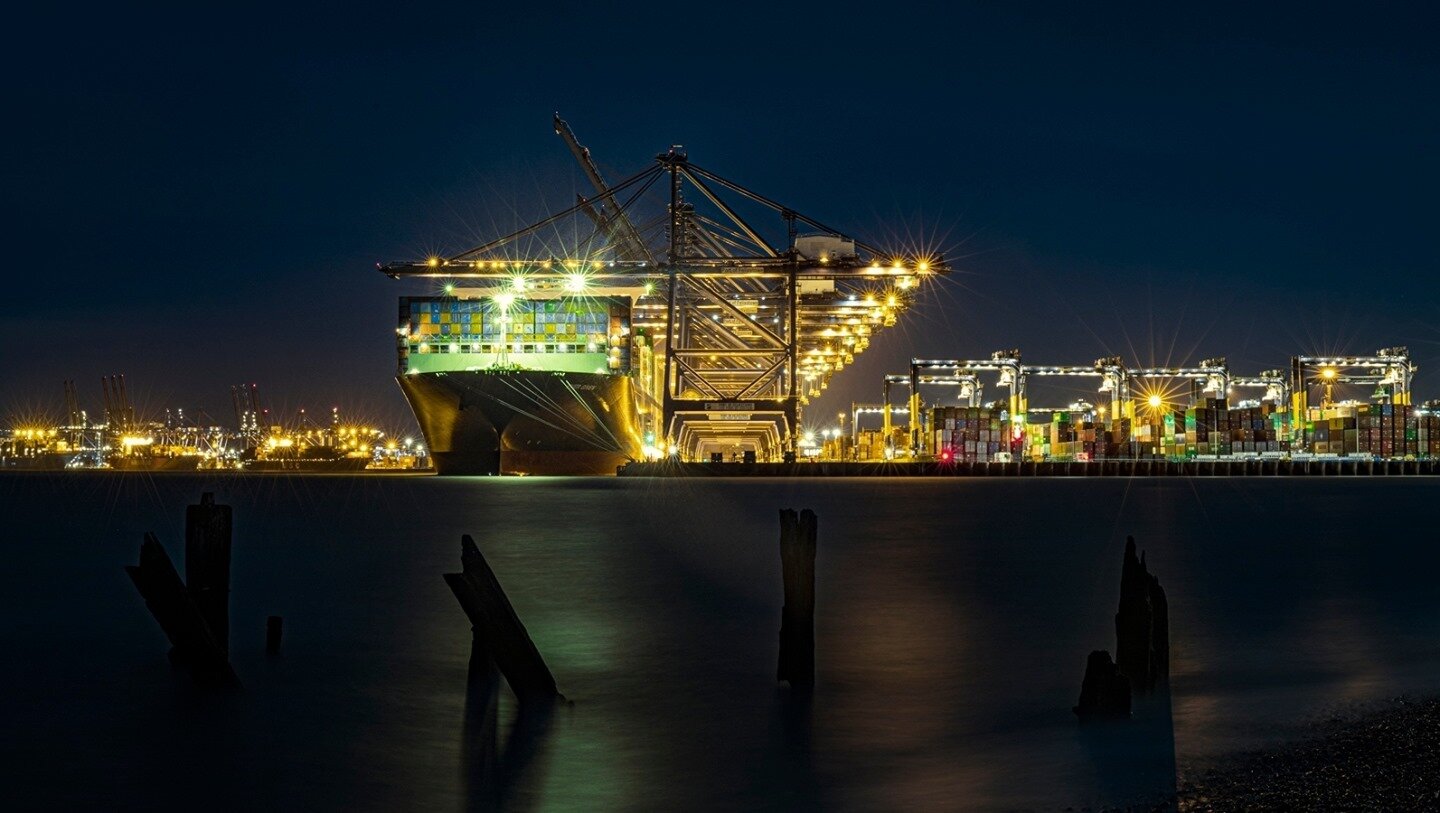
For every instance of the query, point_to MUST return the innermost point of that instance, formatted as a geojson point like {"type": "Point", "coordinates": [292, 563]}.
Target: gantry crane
{"type": "Point", "coordinates": [1390, 366]}
{"type": "Point", "coordinates": [1212, 375]}
{"type": "Point", "coordinates": [1274, 382]}
{"type": "Point", "coordinates": [970, 391]}
{"type": "Point", "coordinates": [1005, 363]}
{"type": "Point", "coordinates": [887, 411]}
{"type": "Point", "coordinates": [750, 326]}
{"type": "Point", "coordinates": [1014, 375]}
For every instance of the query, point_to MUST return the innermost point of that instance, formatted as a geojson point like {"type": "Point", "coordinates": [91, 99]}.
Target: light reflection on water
{"type": "Point", "coordinates": [954, 618]}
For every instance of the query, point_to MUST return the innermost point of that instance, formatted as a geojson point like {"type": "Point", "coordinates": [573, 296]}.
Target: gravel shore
{"type": "Point", "coordinates": [1385, 760]}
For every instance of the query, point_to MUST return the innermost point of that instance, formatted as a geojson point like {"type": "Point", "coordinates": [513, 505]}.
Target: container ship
{"type": "Point", "coordinates": [548, 364]}
{"type": "Point", "coordinates": [528, 379]}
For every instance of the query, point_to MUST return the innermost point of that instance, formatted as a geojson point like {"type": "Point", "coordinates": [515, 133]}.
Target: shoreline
{"type": "Point", "coordinates": [1381, 759]}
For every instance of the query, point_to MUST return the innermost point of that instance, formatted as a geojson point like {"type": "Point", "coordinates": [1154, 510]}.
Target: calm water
{"type": "Point", "coordinates": [954, 618]}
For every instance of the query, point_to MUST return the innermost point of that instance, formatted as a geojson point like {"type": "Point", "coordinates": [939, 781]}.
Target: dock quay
{"type": "Point", "coordinates": [1045, 468]}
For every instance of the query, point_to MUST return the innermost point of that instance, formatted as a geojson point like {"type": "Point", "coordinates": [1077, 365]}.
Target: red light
{"type": "Point", "coordinates": [945, 455]}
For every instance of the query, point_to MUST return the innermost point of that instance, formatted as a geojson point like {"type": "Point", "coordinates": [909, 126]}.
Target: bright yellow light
{"type": "Point", "coordinates": [449, 288]}
{"type": "Point", "coordinates": [1328, 373]}
{"type": "Point", "coordinates": [505, 300]}
{"type": "Point", "coordinates": [576, 283]}
{"type": "Point", "coordinates": [519, 283]}
{"type": "Point", "coordinates": [1155, 401]}
{"type": "Point", "coordinates": [905, 283]}
{"type": "Point", "coordinates": [897, 263]}
{"type": "Point", "coordinates": [433, 261]}
{"type": "Point", "coordinates": [922, 266]}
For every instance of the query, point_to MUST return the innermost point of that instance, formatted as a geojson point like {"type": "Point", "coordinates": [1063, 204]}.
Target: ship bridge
{"type": "Point", "coordinates": [744, 307]}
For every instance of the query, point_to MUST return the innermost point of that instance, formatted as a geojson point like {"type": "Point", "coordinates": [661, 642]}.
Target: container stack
{"type": "Point", "coordinates": [1257, 430]}
{"type": "Point", "coordinates": [1393, 430]}
{"type": "Point", "coordinates": [972, 434]}
{"type": "Point", "coordinates": [1427, 434]}
{"type": "Point", "coordinates": [1176, 439]}
{"type": "Point", "coordinates": [870, 443]}
{"type": "Point", "coordinates": [1120, 442]}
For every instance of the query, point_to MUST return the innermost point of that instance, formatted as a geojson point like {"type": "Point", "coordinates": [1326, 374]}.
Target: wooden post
{"type": "Point", "coordinates": [797, 617]}
{"type": "Point", "coordinates": [274, 628]}
{"type": "Point", "coordinates": [498, 629]}
{"type": "Point", "coordinates": [172, 606]}
{"type": "Point", "coordinates": [1105, 692]}
{"type": "Point", "coordinates": [1142, 624]}
{"type": "Point", "coordinates": [207, 564]}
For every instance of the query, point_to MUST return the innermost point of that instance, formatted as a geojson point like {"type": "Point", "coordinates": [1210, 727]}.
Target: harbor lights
{"type": "Point", "coordinates": [1155, 402]}
{"type": "Point", "coordinates": [1327, 376]}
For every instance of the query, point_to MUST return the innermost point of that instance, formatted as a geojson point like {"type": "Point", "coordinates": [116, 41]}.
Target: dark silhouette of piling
{"type": "Point", "coordinates": [497, 630]}
{"type": "Point", "coordinates": [175, 609]}
{"type": "Point", "coordinates": [1105, 692]}
{"type": "Point", "coordinates": [1142, 625]}
{"type": "Point", "coordinates": [207, 564]}
{"type": "Point", "coordinates": [274, 629]}
{"type": "Point", "coordinates": [797, 618]}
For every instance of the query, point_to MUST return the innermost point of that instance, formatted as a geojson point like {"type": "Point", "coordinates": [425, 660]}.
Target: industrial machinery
{"type": "Point", "coordinates": [730, 319]}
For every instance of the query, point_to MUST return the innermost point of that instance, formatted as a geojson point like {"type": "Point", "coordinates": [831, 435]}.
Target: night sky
{"type": "Point", "coordinates": [197, 198]}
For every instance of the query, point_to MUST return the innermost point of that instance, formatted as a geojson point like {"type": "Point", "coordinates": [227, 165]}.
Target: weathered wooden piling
{"type": "Point", "coordinates": [1105, 692]}
{"type": "Point", "coordinates": [797, 617]}
{"type": "Point", "coordinates": [1142, 624]}
{"type": "Point", "coordinates": [174, 608]}
{"type": "Point", "coordinates": [207, 564]}
{"type": "Point", "coordinates": [498, 631]}
{"type": "Point", "coordinates": [274, 629]}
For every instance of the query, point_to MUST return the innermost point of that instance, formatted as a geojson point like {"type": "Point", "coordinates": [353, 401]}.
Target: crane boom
{"type": "Point", "coordinates": [617, 225]}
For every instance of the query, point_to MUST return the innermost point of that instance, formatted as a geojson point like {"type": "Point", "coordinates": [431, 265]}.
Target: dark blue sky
{"type": "Point", "coordinates": [197, 197]}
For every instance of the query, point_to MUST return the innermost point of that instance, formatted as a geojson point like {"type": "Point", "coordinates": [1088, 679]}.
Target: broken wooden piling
{"type": "Point", "coordinates": [1142, 624]}
{"type": "Point", "coordinates": [174, 608]}
{"type": "Point", "coordinates": [498, 631]}
{"type": "Point", "coordinates": [274, 629]}
{"type": "Point", "coordinates": [797, 617]}
{"type": "Point", "coordinates": [1105, 692]}
{"type": "Point", "coordinates": [207, 564]}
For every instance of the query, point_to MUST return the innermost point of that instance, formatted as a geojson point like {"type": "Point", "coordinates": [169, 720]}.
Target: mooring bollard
{"type": "Point", "coordinates": [797, 617]}
{"type": "Point", "coordinates": [274, 628]}
{"type": "Point", "coordinates": [207, 564]}
{"type": "Point", "coordinates": [497, 629]}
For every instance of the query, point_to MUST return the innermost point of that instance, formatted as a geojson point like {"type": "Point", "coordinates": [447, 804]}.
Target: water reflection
{"type": "Point", "coordinates": [1133, 760]}
{"type": "Point", "coordinates": [951, 619]}
{"type": "Point", "coordinates": [500, 778]}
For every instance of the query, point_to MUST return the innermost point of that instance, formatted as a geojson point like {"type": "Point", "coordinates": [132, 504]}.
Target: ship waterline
{"type": "Point", "coordinates": [538, 422]}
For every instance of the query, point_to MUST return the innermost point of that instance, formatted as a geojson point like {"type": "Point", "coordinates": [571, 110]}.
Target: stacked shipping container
{"type": "Point", "coordinates": [967, 433]}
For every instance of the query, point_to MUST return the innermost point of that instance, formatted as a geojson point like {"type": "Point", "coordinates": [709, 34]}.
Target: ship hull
{"type": "Point", "coordinates": [525, 421]}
